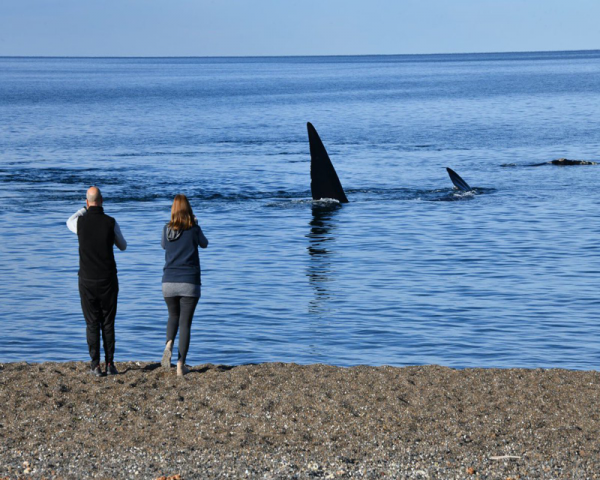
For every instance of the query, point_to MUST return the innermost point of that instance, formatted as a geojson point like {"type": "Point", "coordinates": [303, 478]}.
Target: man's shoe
{"type": "Point", "coordinates": [97, 371]}
{"type": "Point", "coordinates": [111, 369]}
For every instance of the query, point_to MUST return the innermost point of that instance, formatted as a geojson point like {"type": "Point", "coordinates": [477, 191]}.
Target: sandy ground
{"type": "Point", "coordinates": [290, 421]}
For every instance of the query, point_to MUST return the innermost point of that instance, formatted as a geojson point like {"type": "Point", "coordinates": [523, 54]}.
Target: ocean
{"type": "Point", "coordinates": [409, 272]}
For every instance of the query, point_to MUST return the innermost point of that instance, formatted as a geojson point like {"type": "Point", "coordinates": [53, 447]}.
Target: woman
{"type": "Point", "coordinates": [181, 278]}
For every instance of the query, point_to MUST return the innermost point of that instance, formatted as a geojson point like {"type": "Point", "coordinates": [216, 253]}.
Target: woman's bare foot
{"type": "Point", "coordinates": [166, 358]}
{"type": "Point", "coordinates": [181, 369]}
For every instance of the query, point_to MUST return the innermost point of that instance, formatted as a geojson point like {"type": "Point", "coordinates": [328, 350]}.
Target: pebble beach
{"type": "Point", "coordinates": [278, 420]}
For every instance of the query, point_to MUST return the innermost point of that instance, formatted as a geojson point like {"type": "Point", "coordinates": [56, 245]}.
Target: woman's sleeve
{"type": "Point", "coordinates": [202, 241]}
{"type": "Point", "coordinates": [162, 238]}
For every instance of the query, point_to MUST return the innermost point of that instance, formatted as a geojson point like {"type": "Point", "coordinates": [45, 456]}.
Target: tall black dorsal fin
{"type": "Point", "coordinates": [324, 182]}
{"type": "Point", "coordinates": [457, 181]}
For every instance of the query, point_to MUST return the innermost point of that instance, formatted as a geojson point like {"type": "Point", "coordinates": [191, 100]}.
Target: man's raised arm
{"type": "Point", "coordinates": [72, 221]}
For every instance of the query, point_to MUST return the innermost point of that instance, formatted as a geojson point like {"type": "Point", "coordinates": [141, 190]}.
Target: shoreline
{"type": "Point", "coordinates": [276, 420]}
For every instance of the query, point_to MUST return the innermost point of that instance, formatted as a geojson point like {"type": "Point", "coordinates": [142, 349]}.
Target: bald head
{"type": "Point", "coordinates": [94, 197]}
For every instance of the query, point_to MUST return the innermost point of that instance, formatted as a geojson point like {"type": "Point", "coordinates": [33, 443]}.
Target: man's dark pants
{"type": "Point", "coordinates": [99, 305]}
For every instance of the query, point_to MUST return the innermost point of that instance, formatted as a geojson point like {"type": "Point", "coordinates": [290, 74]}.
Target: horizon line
{"type": "Point", "coordinates": [298, 55]}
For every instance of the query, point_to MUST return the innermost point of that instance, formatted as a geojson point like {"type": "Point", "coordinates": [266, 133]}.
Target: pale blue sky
{"type": "Point", "coordinates": [293, 27]}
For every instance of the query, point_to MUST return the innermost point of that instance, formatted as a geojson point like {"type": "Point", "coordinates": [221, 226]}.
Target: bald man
{"type": "Point", "coordinates": [98, 284]}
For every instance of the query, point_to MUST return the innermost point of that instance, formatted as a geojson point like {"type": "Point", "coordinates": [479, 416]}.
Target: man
{"type": "Point", "coordinates": [98, 284]}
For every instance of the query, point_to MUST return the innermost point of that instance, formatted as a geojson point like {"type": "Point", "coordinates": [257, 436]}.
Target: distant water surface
{"type": "Point", "coordinates": [409, 272]}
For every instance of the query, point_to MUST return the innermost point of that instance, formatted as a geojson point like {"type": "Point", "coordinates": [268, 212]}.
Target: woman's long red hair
{"type": "Point", "coordinates": [182, 216]}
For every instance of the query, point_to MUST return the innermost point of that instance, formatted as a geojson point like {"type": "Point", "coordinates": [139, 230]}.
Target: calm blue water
{"type": "Point", "coordinates": [407, 273]}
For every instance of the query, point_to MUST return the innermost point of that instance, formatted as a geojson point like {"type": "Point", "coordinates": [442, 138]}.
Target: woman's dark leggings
{"type": "Point", "coordinates": [181, 312]}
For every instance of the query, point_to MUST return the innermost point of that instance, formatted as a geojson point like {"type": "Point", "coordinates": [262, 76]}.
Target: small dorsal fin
{"type": "Point", "coordinates": [458, 181]}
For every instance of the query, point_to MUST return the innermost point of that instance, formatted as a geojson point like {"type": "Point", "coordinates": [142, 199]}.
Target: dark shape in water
{"type": "Point", "coordinates": [324, 182]}
{"type": "Point", "coordinates": [458, 181]}
{"type": "Point", "coordinates": [563, 162]}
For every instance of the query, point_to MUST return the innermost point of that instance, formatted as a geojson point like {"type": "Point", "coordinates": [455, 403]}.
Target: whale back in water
{"type": "Point", "coordinates": [566, 162]}
{"type": "Point", "coordinates": [561, 162]}
{"type": "Point", "coordinates": [324, 182]}
{"type": "Point", "coordinates": [458, 181]}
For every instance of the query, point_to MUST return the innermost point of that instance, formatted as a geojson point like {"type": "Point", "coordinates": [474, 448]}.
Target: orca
{"type": "Point", "coordinates": [457, 181]}
{"type": "Point", "coordinates": [324, 182]}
